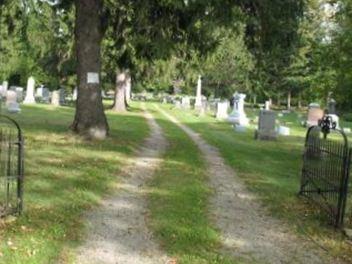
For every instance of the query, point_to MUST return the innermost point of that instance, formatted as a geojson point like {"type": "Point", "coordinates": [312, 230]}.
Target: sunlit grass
{"type": "Point", "coordinates": [272, 169]}
{"type": "Point", "coordinates": [179, 202]}
{"type": "Point", "coordinates": [64, 176]}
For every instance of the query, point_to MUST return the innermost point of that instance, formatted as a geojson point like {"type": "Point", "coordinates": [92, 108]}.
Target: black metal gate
{"type": "Point", "coordinates": [11, 167]}
{"type": "Point", "coordinates": [325, 173]}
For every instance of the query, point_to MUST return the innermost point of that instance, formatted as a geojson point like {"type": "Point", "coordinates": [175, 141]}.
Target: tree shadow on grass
{"type": "Point", "coordinates": [64, 175]}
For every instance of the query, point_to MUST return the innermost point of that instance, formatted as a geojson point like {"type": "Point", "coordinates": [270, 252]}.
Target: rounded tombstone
{"type": "Point", "coordinates": [55, 98]}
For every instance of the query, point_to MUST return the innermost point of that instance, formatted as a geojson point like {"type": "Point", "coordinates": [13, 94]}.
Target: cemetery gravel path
{"type": "Point", "coordinates": [117, 230]}
{"type": "Point", "coordinates": [247, 230]}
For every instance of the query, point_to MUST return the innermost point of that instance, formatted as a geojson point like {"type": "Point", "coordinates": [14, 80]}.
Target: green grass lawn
{"type": "Point", "coordinates": [270, 169]}
{"type": "Point", "coordinates": [64, 176]}
{"type": "Point", "coordinates": [179, 201]}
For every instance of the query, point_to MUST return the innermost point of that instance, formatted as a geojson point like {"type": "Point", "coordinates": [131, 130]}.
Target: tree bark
{"type": "Point", "coordinates": [278, 102]}
{"type": "Point", "coordinates": [289, 100]}
{"type": "Point", "coordinates": [299, 101]}
{"type": "Point", "coordinates": [90, 120]}
{"type": "Point", "coordinates": [128, 89]}
{"type": "Point", "coordinates": [123, 83]}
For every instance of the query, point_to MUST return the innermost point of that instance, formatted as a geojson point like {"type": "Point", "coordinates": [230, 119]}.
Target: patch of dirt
{"type": "Point", "coordinates": [117, 230]}
{"type": "Point", "coordinates": [247, 230]}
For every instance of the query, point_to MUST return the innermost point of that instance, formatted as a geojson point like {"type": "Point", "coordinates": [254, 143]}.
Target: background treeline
{"type": "Point", "coordinates": [269, 48]}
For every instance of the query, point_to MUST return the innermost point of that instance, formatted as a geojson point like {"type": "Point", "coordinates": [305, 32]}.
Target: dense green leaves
{"type": "Point", "coordinates": [36, 40]}
{"type": "Point", "coordinates": [263, 47]}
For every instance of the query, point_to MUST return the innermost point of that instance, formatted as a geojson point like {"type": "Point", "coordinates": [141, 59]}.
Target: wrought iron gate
{"type": "Point", "coordinates": [11, 167]}
{"type": "Point", "coordinates": [325, 172]}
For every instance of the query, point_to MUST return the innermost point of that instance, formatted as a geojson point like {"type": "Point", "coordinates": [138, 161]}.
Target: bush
{"type": "Point", "coordinates": [348, 117]}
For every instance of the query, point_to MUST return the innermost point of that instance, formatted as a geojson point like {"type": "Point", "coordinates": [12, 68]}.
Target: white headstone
{"type": "Point", "coordinates": [55, 98]}
{"type": "Point", "coordinates": [198, 103]}
{"type": "Point", "coordinates": [4, 88]}
{"type": "Point", "coordinates": [213, 105]}
{"type": "Point", "coordinates": [335, 119]}
{"type": "Point", "coordinates": [11, 102]}
{"type": "Point", "coordinates": [347, 130]}
{"type": "Point", "coordinates": [30, 91]}
{"type": "Point", "coordinates": [283, 131]}
{"type": "Point", "coordinates": [39, 92]}
{"type": "Point", "coordinates": [267, 105]}
{"type": "Point", "coordinates": [75, 94]}
{"type": "Point", "coordinates": [186, 102]}
{"type": "Point", "coordinates": [221, 110]}
{"type": "Point", "coordinates": [177, 104]}
{"type": "Point", "coordinates": [238, 116]}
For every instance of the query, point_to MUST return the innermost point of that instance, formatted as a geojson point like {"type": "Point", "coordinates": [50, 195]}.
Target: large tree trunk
{"type": "Point", "coordinates": [123, 83]}
{"type": "Point", "coordinates": [90, 119]}
{"type": "Point", "coordinates": [299, 101]}
{"type": "Point", "coordinates": [128, 89]}
{"type": "Point", "coordinates": [289, 100]}
{"type": "Point", "coordinates": [278, 102]}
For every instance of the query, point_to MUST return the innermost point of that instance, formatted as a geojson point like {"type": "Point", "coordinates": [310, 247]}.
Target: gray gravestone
{"type": "Point", "coordinates": [46, 95]}
{"type": "Point", "coordinates": [332, 106]}
{"type": "Point", "coordinates": [11, 102]}
{"type": "Point", "coordinates": [19, 92]}
{"type": "Point", "coordinates": [62, 97]}
{"type": "Point", "coordinates": [266, 125]}
{"type": "Point", "coordinates": [186, 102]}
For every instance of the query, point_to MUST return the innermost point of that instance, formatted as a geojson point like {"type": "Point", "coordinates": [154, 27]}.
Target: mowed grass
{"type": "Point", "coordinates": [64, 176]}
{"type": "Point", "coordinates": [272, 169]}
{"type": "Point", "coordinates": [178, 201]}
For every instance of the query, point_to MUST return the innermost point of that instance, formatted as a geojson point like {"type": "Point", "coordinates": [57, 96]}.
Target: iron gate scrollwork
{"type": "Point", "coordinates": [11, 167]}
{"type": "Point", "coordinates": [325, 172]}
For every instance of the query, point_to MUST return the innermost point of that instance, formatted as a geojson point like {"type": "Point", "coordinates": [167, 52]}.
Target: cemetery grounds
{"type": "Point", "coordinates": [67, 176]}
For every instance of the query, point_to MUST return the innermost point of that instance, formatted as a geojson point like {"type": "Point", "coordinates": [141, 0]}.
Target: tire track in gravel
{"type": "Point", "coordinates": [247, 230]}
{"type": "Point", "coordinates": [117, 230]}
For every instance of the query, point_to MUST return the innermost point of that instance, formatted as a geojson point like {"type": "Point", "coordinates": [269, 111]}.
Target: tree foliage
{"type": "Point", "coordinates": [267, 48]}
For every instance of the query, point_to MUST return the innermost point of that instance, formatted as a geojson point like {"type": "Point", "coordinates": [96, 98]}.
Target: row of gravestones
{"type": "Point", "coordinates": [15, 95]}
{"type": "Point", "coordinates": [267, 119]}
{"type": "Point", "coordinates": [267, 129]}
